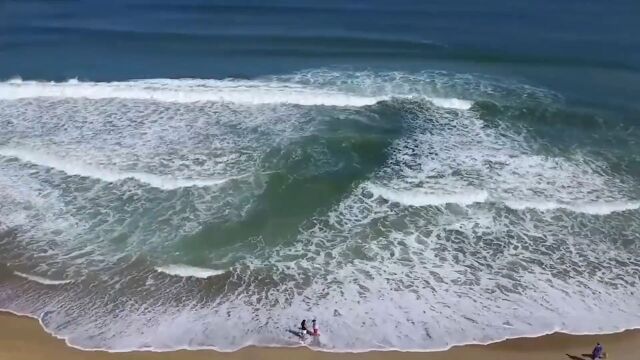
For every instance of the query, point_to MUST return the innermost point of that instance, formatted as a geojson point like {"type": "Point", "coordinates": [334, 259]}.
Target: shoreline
{"type": "Point", "coordinates": [23, 337]}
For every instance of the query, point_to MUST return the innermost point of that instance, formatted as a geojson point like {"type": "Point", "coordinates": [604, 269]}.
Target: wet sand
{"type": "Point", "coordinates": [22, 338]}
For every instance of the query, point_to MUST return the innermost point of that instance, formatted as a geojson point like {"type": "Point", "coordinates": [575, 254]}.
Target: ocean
{"type": "Point", "coordinates": [412, 174]}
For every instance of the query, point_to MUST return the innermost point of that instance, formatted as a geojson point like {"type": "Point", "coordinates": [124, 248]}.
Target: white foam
{"type": "Point", "coordinates": [244, 92]}
{"type": "Point", "coordinates": [592, 208]}
{"type": "Point", "coordinates": [41, 280]}
{"type": "Point", "coordinates": [417, 278]}
{"type": "Point", "coordinates": [189, 271]}
{"type": "Point", "coordinates": [417, 197]}
{"type": "Point", "coordinates": [452, 103]}
{"type": "Point", "coordinates": [190, 90]}
{"type": "Point", "coordinates": [72, 167]}
{"type": "Point", "coordinates": [420, 197]}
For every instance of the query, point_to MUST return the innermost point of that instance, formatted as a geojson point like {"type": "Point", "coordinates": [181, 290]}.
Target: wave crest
{"type": "Point", "coordinates": [591, 208]}
{"type": "Point", "coordinates": [417, 197]}
{"type": "Point", "coordinates": [188, 271]}
{"type": "Point", "coordinates": [252, 92]}
{"type": "Point", "coordinates": [71, 167]}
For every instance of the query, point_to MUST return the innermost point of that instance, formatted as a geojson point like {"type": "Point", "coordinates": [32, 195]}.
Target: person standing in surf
{"type": "Point", "coordinates": [303, 327]}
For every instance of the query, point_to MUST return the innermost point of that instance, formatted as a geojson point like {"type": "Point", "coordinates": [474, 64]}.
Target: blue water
{"type": "Point", "coordinates": [590, 49]}
{"type": "Point", "coordinates": [205, 174]}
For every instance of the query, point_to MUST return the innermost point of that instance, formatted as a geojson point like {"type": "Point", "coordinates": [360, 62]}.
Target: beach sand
{"type": "Point", "coordinates": [22, 338]}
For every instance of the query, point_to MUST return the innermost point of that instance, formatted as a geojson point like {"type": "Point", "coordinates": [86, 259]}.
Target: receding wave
{"type": "Point", "coordinates": [189, 271]}
{"type": "Point", "coordinates": [71, 167]}
{"type": "Point", "coordinates": [41, 280]}
{"type": "Point", "coordinates": [192, 90]}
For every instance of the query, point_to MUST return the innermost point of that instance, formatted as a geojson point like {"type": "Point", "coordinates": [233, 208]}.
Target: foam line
{"type": "Point", "coordinates": [76, 168]}
{"type": "Point", "coordinates": [416, 197]}
{"type": "Point", "coordinates": [592, 208]}
{"type": "Point", "coordinates": [39, 319]}
{"type": "Point", "coordinates": [188, 271]}
{"type": "Point", "coordinates": [187, 91]}
{"type": "Point", "coordinates": [245, 92]}
{"type": "Point", "coordinates": [41, 280]}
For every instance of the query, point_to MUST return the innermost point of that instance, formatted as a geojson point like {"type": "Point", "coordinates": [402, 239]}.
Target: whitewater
{"type": "Point", "coordinates": [430, 208]}
{"type": "Point", "coordinates": [192, 90]}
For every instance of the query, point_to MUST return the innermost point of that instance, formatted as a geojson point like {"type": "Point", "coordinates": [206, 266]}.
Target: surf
{"type": "Point", "coordinates": [591, 208]}
{"type": "Point", "coordinates": [250, 92]}
{"type": "Point", "coordinates": [361, 211]}
{"type": "Point", "coordinates": [182, 270]}
{"type": "Point", "coordinates": [76, 168]}
{"type": "Point", "coordinates": [41, 280]}
{"type": "Point", "coordinates": [421, 197]}
{"type": "Point", "coordinates": [418, 197]}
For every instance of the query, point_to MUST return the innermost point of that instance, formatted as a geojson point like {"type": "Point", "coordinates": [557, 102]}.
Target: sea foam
{"type": "Point", "coordinates": [592, 208]}
{"type": "Point", "coordinates": [416, 197]}
{"type": "Point", "coordinates": [72, 167]}
{"type": "Point", "coordinates": [41, 280]}
{"type": "Point", "coordinates": [188, 271]}
{"type": "Point", "coordinates": [418, 275]}
{"type": "Point", "coordinates": [189, 90]}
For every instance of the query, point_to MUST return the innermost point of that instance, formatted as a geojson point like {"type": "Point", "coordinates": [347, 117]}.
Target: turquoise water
{"type": "Point", "coordinates": [202, 174]}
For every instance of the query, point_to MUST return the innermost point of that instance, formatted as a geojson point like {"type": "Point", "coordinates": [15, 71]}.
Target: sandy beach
{"type": "Point", "coordinates": [22, 338]}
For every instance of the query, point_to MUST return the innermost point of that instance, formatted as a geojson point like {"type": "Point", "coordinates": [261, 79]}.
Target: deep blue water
{"type": "Point", "coordinates": [586, 49]}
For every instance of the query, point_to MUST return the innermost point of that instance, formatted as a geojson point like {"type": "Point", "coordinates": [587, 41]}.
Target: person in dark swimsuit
{"type": "Point", "coordinates": [303, 326]}
{"type": "Point", "coordinates": [597, 352]}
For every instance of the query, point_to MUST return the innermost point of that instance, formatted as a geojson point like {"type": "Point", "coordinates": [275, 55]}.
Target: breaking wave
{"type": "Point", "coordinates": [417, 197]}
{"type": "Point", "coordinates": [71, 167]}
{"type": "Point", "coordinates": [422, 198]}
{"type": "Point", "coordinates": [254, 92]}
{"type": "Point", "coordinates": [592, 208]}
{"type": "Point", "coordinates": [188, 271]}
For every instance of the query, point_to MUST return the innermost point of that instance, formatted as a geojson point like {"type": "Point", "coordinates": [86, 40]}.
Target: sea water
{"type": "Point", "coordinates": [412, 174]}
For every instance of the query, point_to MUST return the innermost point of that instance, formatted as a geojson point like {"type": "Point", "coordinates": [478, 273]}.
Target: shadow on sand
{"type": "Point", "coordinates": [297, 333]}
{"type": "Point", "coordinates": [574, 357]}
{"type": "Point", "coordinates": [584, 357]}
